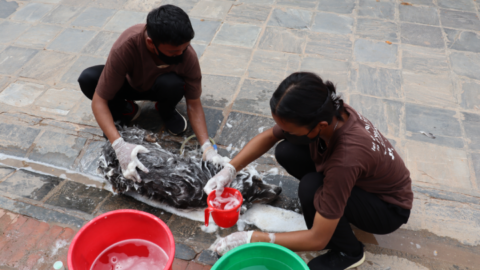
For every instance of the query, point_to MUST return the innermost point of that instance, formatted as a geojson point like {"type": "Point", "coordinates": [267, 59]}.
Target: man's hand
{"type": "Point", "coordinates": [221, 180]}
{"type": "Point", "coordinates": [210, 154]}
{"type": "Point", "coordinates": [127, 157]}
{"type": "Point", "coordinates": [232, 241]}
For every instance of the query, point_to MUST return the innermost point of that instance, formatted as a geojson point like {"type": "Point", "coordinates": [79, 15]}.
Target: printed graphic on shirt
{"type": "Point", "coordinates": [378, 141]}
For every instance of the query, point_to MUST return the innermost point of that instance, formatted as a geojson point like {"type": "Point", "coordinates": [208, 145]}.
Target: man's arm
{"type": "Point", "coordinates": [197, 119]}
{"type": "Point", "coordinates": [104, 117]}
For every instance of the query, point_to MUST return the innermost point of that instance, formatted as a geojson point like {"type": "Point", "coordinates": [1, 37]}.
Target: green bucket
{"type": "Point", "coordinates": [260, 256]}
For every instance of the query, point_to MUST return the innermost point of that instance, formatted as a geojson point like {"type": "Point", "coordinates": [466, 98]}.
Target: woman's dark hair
{"type": "Point", "coordinates": [169, 24]}
{"type": "Point", "coordinates": [305, 100]}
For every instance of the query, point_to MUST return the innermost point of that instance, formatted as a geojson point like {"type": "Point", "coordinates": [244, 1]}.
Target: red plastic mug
{"type": "Point", "coordinates": [223, 218]}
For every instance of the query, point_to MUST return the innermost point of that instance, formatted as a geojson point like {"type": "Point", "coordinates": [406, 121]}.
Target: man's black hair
{"type": "Point", "coordinates": [169, 24]}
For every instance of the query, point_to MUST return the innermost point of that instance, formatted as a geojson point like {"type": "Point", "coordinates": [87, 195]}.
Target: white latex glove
{"type": "Point", "coordinates": [232, 241]}
{"type": "Point", "coordinates": [210, 154]}
{"type": "Point", "coordinates": [222, 179]}
{"type": "Point", "coordinates": [127, 157]}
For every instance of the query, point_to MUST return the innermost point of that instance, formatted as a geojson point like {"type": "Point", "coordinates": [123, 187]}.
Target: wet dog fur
{"type": "Point", "coordinates": [174, 179]}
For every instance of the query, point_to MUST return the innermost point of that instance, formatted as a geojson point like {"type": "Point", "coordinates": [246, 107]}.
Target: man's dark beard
{"type": "Point", "coordinates": [169, 60]}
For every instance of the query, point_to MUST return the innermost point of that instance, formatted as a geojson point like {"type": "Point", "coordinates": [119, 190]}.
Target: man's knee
{"type": "Point", "coordinates": [88, 80]}
{"type": "Point", "coordinates": [171, 81]}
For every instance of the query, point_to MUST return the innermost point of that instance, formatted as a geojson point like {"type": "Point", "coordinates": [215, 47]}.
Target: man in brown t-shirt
{"type": "Point", "coordinates": [152, 61]}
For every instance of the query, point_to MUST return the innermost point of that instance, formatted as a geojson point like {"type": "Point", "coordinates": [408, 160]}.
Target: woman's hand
{"type": "Point", "coordinates": [232, 241]}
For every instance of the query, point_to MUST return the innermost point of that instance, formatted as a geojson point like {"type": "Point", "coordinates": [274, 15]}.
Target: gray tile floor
{"type": "Point", "coordinates": [410, 67]}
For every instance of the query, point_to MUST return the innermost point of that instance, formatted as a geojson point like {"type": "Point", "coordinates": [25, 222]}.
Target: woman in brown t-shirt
{"type": "Point", "coordinates": [348, 171]}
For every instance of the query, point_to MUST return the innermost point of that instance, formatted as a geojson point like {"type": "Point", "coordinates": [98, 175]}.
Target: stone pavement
{"type": "Point", "coordinates": [411, 67]}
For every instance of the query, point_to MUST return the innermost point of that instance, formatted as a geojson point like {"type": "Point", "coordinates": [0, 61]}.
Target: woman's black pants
{"type": "Point", "coordinates": [364, 210]}
{"type": "Point", "coordinates": [167, 90]}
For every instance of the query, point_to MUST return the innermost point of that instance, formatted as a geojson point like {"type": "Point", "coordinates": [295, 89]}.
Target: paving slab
{"type": "Point", "coordinates": [4, 171]}
{"type": "Point", "coordinates": [21, 94]}
{"type": "Point", "coordinates": [424, 61]}
{"type": "Point", "coordinates": [211, 9]}
{"type": "Point", "coordinates": [368, 51]}
{"type": "Point", "coordinates": [258, 2]}
{"type": "Point", "coordinates": [384, 9]}
{"type": "Point", "coordinates": [62, 14]}
{"type": "Point", "coordinates": [7, 8]}
{"type": "Point", "coordinates": [205, 30]}
{"type": "Point", "coordinates": [32, 12]}
{"type": "Point", "coordinates": [225, 60]}
{"type": "Point", "coordinates": [16, 140]}
{"type": "Point", "coordinates": [240, 128]}
{"type": "Point", "coordinates": [437, 165]}
{"type": "Point", "coordinates": [101, 44]}
{"type": "Point", "coordinates": [476, 166]}
{"type": "Point", "coordinates": [89, 162]}
{"type": "Point", "coordinates": [328, 69]}
{"type": "Point", "coordinates": [330, 46]}
{"type": "Point", "coordinates": [77, 3]}
{"type": "Point", "coordinates": [386, 115]}
{"type": "Point", "coordinates": [419, 14]}
{"type": "Point", "coordinates": [240, 35]}
{"type": "Point", "coordinates": [254, 97]}
{"type": "Point", "coordinates": [76, 196]}
{"type": "Point", "coordinates": [83, 114]}
{"type": "Point", "coordinates": [29, 185]}
{"type": "Point", "coordinates": [47, 65]}
{"type": "Point", "coordinates": [466, 64]}
{"type": "Point", "coordinates": [120, 201]}
{"type": "Point", "coordinates": [332, 23]}
{"type": "Point", "coordinates": [4, 80]}
{"type": "Point", "coordinates": [40, 213]}
{"type": "Point", "coordinates": [184, 252]}
{"type": "Point", "coordinates": [199, 49]}
{"type": "Point", "coordinates": [208, 257]}
{"type": "Point", "coordinates": [298, 3]}
{"type": "Point", "coordinates": [38, 36]}
{"type": "Point", "coordinates": [283, 40]}
{"type": "Point", "coordinates": [377, 29]}
{"type": "Point", "coordinates": [380, 82]}
{"type": "Point", "coordinates": [463, 40]}
{"type": "Point", "coordinates": [107, 3]}
{"type": "Point", "coordinates": [466, 5]}
{"type": "Point", "coordinates": [124, 19]}
{"type": "Point", "coordinates": [470, 95]}
{"type": "Point", "coordinates": [291, 18]}
{"type": "Point", "coordinates": [337, 6]}
{"type": "Point", "coordinates": [93, 17]}
{"type": "Point", "coordinates": [422, 35]}
{"type": "Point", "coordinates": [272, 66]}
{"type": "Point", "coordinates": [58, 101]}
{"type": "Point", "coordinates": [472, 130]}
{"type": "Point", "coordinates": [247, 13]}
{"type": "Point", "coordinates": [443, 124]}
{"type": "Point", "coordinates": [459, 19]}
{"type": "Point", "coordinates": [83, 62]}
{"type": "Point", "coordinates": [11, 30]}
{"type": "Point", "coordinates": [146, 6]}
{"type": "Point", "coordinates": [71, 40]}
{"type": "Point", "coordinates": [57, 149]}
{"type": "Point", "coordinates": [218, 90]}
{"type": "Point", "coordinates": [436, 90]}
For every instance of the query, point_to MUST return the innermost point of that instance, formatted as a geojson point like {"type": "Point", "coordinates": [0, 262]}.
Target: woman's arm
{"type": "Point", "coordinates": [254, 149]}
{"type": "Point", "coordinates": [311, 240]}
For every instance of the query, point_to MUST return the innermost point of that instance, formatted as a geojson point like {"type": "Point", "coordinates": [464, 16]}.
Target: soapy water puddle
{"type": "Point", "coordinates": [132, 254]}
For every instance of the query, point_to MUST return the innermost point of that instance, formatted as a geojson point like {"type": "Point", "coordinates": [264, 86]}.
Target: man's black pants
{"type": "Point", "coordinates": [167, 90]}
{"type": "Point", "coordinates": [364, 210]}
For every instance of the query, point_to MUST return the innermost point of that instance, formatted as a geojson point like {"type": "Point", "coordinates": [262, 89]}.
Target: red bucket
{"type": "Point", "coordinates": [223, 218]}
{"type": "Point", "coordinates": [113, 227]}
